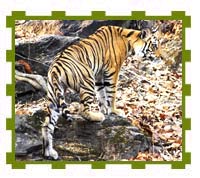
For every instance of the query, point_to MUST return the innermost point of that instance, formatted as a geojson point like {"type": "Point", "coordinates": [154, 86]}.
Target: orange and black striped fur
{"type": "Point", "coordinates": [89, 63]}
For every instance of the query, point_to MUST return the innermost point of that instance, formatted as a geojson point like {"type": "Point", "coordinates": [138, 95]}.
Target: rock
{"type": "Point", "coordinates": [118, 141]}
{"type": "Point", "coordinates": [112, 139]}
{"type": "Point", "coordinates": [23, 87]}
{"type": "Point", "coordinates": [39, 52]}
{"type": "Point", "coordinates": [26, 92]}
{"type": "Point", "coordinates": [26, 136]}
{"type": "Point", "coordinates": [26, 144]}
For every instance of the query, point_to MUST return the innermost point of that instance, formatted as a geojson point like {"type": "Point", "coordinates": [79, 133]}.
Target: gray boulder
{"type": "Point", "coordinates": [39, 52]}
{"type": "Point", "coordinates": [113, 139]}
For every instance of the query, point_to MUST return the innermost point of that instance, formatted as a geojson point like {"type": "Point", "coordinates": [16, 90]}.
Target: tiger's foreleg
{"type": "Point", "coordinates": [101, 94]}
{"type": "Point", "coordinates": [110, 82]}
{"type": "Point", "coordinates": [103, 104]}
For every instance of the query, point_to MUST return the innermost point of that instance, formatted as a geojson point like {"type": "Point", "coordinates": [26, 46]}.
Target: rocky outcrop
{"type": "Point", "coordinates": [113, 139]}
{"type": "Point", "coordinates": [39, 52]}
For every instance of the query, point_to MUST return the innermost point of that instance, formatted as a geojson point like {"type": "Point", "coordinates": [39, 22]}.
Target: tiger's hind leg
{"type": "Point", "coordinates": [56, 107]}
{"type": "Point", "coordinates": [47, 133]}
{"type": "Point", "coordinates": [49, 125]}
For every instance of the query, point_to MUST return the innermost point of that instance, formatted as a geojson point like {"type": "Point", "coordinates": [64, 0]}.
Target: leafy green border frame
{"type": "Point", "coordinates": [98, 15]}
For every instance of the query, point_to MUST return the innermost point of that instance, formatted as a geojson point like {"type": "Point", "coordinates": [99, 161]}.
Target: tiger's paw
{"type": "Point", "coordinates": [51, 154]}
{"type": "Point", "coordinates": [93, 116]}
{"type": "Point", "coordinates": [51, 158]}
{"type": "Point", "coordinates": [118, 112]}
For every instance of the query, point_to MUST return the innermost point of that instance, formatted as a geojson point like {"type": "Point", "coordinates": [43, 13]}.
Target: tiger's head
{"type": "Point", "coordinates": [143, 44]}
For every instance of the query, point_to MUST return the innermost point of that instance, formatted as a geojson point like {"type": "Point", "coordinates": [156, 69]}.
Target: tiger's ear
{"type": "Point", "coordinates": [144, 33]}
{"type": "Point", "coordinates": [155, 29]}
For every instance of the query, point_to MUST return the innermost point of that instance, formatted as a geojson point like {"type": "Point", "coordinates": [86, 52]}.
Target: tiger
{"type": "Point", "coordinates": [89, 65]}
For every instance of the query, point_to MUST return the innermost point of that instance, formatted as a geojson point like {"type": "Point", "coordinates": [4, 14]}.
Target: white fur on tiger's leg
{"type": "Point", "coordinates": [48, 151]}
{"type": "Point", "coordinates": [101, 95]}
{"type": "Point", "coordinates": [47, 135]}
